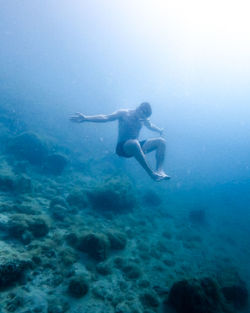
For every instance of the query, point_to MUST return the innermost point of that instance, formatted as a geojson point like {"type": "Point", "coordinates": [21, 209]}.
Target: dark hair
{"type": "Point", "coordinates": [146, 107]}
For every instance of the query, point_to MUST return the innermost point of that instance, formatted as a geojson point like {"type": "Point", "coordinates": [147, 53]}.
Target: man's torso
{"type": "Point", "coordinates": [129, 126]}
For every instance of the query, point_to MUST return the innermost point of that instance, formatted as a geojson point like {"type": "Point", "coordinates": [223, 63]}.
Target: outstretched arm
{"type": "Point", "coordinates": [101, 118]}
{"type": "Point", "coordinates": [152, 127]}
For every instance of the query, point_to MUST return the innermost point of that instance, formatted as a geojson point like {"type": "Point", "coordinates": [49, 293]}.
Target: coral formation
{"type": "Point", "coordinates": [21, 226]}
{"type": "Point", "coordinates": [12, 268]}
{"type": "Point", "coordinates": [196, 296]}
{"type": "Point", "coordinates": [117, 240]}
{"type": "Point", "coordinates": [54, 164]}
{"type": "Point", "coordinates": [16, 184]}
{"type": "Point", "coordinates": [149, 299]}
{"type": "Point", "coordinates": [28, 146]}
{"type": "Point", "coordinates": [96, 245]}
{"type": "Point", "coordinates": [78, 286]}
{"type": "Point", "coordinates": [77, 199]}
{"type": "Point", "coordinates": [115, 196]}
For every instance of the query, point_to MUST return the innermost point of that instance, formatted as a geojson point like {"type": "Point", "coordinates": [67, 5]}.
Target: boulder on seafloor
{"type": "Point", "coordinates": [17, 184]}
{"type": "Point", "coordinates": [7, 184]}
{"type": "Point", "coordinates": [59, 212]}
{"type": "Point", "coordinates": [130, 269]}
{"type": "Point", "coordinates": [233, 288]}
{"type": "Point", "coordinates": [54, 164]}
{"type": "Point", "coordinates": [25, 227]}
{"type": "Point", "coordinates": [149, 299]}
{"type": "Point", "coordinates": [197, 296]}
{"type": "Point", "coordinates": [104, 268]}
{"type": "Point", "coordinates": [58, 201]}
{"type": "Point", "coordinates": [96, 245]}
{"type": "Point", "coordinates": [77, 199]}
{"type": "Point", "coordinates": [58, 305]}
{"type": "Point", "coordinates": [115, 196]}
{"type": "Point", "coordinates": [237, 295]}
{"type": "Point", "coordinates": [78, 286]}
{"type": "Point", "coordinates": [28, 146]}
{"type": "Point", "coordinates": [117, 240]}
{"type": "Point", "coordinates": [59, 208]}
{"type": "Point", "coordinates": [12, 268]}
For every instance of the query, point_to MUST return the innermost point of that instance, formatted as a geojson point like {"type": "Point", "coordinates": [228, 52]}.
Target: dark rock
{"type": "Point", "coordinates": [77, 199]}
{"type": "Point", "coordinates": [58, 201]}
{"type": "Point", "coordinates": [149, 299]}
{"type": "Point", "coordinates": [38, 227]}
{"type": "Point", "coordinates": [95, 245]}
{"type": "Point", "coordinates": [68, 256]}
{"type": "Point", "coordinates": [7, 184]}
{"type": "Point", "coordinates": [197, 296]}
{"type": "Point", "coordinates": [119, 262]}
{"type": "Point", "coordinates": [15, 184]}
{"type": "Point", "coordinates": [54, 164]}
{"type": "Point", "coordinates": [36, 259]}
{"type": "Point", "coordinates": [11, 270]}
{"type": "Point", "coordinates": [161, 291]}
{"type": "Point", "coordinates": [17, 208]}
{"type": "Point", "coordinates": [123, 308]}
{"type": "Point", "coordinates": [57, 305]}
{"type": "Point", "coordinates": [104, 268]}
{"type": "Point", "coordinates": [23, 184]}
{"type": "Point", "coordinates": [28, 146]}
{"type": "Point", "coordinates": [14, 302]}
{"type": "Point", "coordinates": [143, 283]}
{"type": "Point", "coordinates": [233, 288]}
{"type": "Point", "coordinates": [112, 197]}
{"type": "Point", "coordinates": [72, 239]}
{"type": "Point", "coordinates": [26, 237]}
{"type": "Point", "coordinates": [21, 225]}
{"type": "Point", "coordinates": [17, 225]}
{"type": "Point", "coordinates": [117, 240]}
{"type": "Point", "coordinates": [131, 271]}
{"type": "Point", "coordinates": [236, 295]}
{"type": "Point", "coordinates": [78, 287]}
{"type": "Point", "coordinates": [58, 212]}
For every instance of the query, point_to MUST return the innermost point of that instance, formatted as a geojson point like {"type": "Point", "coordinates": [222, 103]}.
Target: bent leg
{"type": "Point", "coordinates": [158, 144]}
{"type": "Point", "coordinates": [132, 147]}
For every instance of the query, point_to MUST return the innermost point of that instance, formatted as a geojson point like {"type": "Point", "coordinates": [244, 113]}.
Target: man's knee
{"type": "Point", "coordinates": [162, 142]}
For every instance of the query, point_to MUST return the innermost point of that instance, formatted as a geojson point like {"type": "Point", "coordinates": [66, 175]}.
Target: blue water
{"type": "Point", "coordinates": [57, 58]}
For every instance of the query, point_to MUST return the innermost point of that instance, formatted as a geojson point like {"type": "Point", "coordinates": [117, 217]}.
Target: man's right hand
{"type": "Point", "coordinates": [78, 117]}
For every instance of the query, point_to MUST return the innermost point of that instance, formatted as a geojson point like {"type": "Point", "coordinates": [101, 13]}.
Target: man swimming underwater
{"type": "Point", "coordinates": [128, 145]}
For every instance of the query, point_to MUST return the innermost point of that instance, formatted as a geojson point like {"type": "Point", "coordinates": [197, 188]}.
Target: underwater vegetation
{"type": "Point", "coordinates": [73, 241]}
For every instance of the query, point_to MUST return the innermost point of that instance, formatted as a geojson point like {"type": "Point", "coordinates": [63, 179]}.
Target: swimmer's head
{"type": "Point", "coordinates": [144, 109]}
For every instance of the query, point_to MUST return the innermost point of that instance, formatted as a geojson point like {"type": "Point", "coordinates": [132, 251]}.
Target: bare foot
{"type": "Point", "coordinates": [159, 176]}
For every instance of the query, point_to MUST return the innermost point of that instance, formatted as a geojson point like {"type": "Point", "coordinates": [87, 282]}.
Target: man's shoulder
{"type": "Point", "coordinates": [123, 112]}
